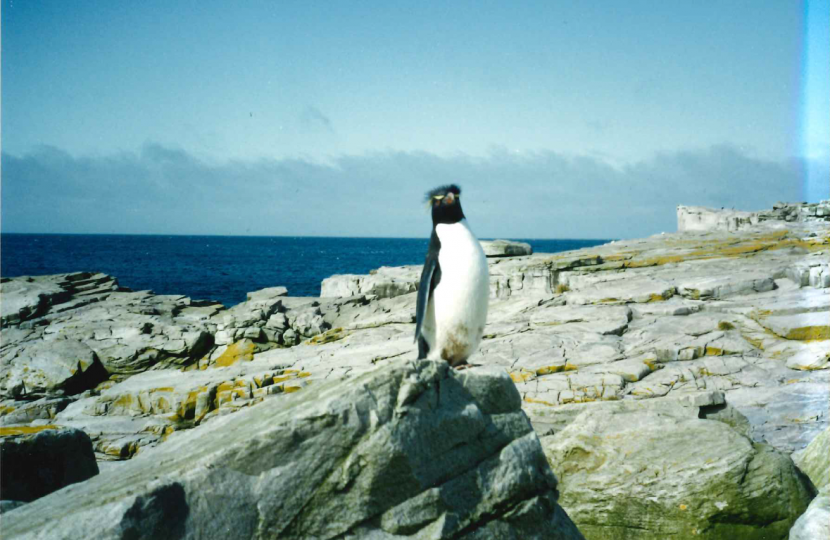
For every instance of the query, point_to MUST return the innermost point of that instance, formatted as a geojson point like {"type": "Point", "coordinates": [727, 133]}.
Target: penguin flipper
{"type": "Point", "coordinates": [423, 348]}
{"type": "Point", "coordinates": [430, 277]}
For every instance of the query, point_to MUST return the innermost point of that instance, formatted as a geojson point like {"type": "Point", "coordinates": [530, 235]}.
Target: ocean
{"type": "Point", "coordinates": [221, 268]}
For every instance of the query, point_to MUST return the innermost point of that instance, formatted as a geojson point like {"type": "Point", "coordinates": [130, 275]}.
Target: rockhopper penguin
{"type": "Point", "coordinates": [455, 284]}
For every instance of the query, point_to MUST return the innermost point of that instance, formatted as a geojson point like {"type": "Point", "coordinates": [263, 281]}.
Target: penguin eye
{"type": "Point", "coordinates": [450, 198]}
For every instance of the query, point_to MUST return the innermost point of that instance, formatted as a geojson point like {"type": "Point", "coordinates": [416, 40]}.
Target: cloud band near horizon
{"type": "Point", "coordinates": [161, 190]}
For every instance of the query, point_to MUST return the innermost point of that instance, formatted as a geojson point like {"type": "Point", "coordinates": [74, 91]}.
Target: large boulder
{"type": "Point", "coordinates": [39, 460]}
{"type": "Point", "coordinates": [412, 449]}
{"type": "Point", "coordinates": [814, 524]}
{"type": "Point", "coordinates": [814, 460]}
{"type": "Point", "coordinates": [659, 473]}
{"type": "Point", "coordinates": [385, 282]}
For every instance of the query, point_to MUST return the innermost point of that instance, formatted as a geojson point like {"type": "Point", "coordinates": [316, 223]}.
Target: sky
{"type": "Point", "coordinates": [558, 119]}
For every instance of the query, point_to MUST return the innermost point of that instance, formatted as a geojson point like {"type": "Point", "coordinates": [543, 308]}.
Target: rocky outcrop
{"type": "Point", "coordinates": [385, 282]}
{"type": "Point", "coordinates": [731, 326]}
{"type": "Point", "coordinates": [700, 218]}
{"type": "Point", "coordinates": [38, 461]}
{"type": "Point", "coordinates": [411, 450]}
{"type": "Point", "coordinates": [651, 472]}
{"type": "Point", "coordinates": [505, 248]}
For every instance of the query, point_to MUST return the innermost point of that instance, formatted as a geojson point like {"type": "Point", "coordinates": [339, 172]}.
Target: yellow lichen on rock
{"type": "Point", "coordinates": [809, 333]}
{"type": "Point", "coordinates": [329, 336]}
{"type": "Point", "coordinates": [24, 430]}
{"type": "Point", "coordinates": [522, 375]}
{"type": "Point", "coordinates": [538, 401]}
{"type": "Point", "coordinates": [240, 350]}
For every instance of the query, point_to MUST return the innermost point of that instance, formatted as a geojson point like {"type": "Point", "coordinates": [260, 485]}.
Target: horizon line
{"type": "Point", "coordinates": [283, 236]}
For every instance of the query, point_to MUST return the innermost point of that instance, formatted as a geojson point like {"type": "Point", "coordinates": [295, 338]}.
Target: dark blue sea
{"type": "Point", "coordinates": [221, 268]}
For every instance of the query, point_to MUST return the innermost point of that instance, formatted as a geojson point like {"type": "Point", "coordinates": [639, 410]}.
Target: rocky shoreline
{"type": "Point", "coordinates": [675, 385]}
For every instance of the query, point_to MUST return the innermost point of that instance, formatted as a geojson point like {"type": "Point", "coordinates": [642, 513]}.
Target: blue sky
{"type": "Point", "coordinates": [559, 119]}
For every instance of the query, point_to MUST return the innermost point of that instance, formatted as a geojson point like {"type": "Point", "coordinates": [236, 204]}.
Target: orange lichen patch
{"type": "Point", "coordinates": [657, 261]}
{"type": "Point", "coordinates": [24, 430]}
{"type": "Point", "coordinates": [6, 409]}
{"type": "Point", "coordinates": [187, 408]}
{"type": "Point", "coordinates": [283, 378]}
{"type": "Point", "coordinates": [303, 374]}
{"type": "Point", "coordinates": [538, 401]}
{"type": "Point", "coordinates": [224, 386]}
{"type": "Point", "coordinates": [106, 385]}
{"type": "Point", "coordinates": [124, 401]}
{"type": "Point", "coordinates": [694, 294]}
{"type": "Point", "coordinates": [240, 350]}
{"type": "Point", "coordinates": [291, 389]}
{"type": "Point", "coordinates": [809, 333]}
{"type": "Point", "coordinates": [547, 370]}
{"type": "Point", "coordinates": [166, 432]}
{"type": "Point", "coordinates": [329, 336]}
{"type": "Point", "coordinates": [522, 375]}
{"type": "Point", "coordinates": [755, 342]}
{"type": "Point", "coordinates": [660, 297]}
{"type": "Point", "coordinates": [652, 364]}
{"type": "Point", "coordinates": [760, 314]}
{"type": "Point", "coordinates": [713, 351]}
{"type": "Point", "coordinates": [616, 257]}
{"type": "Point", "coordinates": [161, 404]}
{"type": "Point", "coordinates": [240, 393]}
{"type": "Point", "coordinates": [701, 250]}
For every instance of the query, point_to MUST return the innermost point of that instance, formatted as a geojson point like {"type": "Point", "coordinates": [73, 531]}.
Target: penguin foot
{"type": "Point", "coordinates": [466, 366]}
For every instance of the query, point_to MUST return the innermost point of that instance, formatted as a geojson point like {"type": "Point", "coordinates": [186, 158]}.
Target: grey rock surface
{"type": "Point", "coordinates": [814, 524]}
{"type": "Point", "coordinates": [412, 449]}
{"type": "Point", "coordinates": [38, 461]}
{"type": "Point", "coordinates": [814, 460]}
{"type": "Point", "coordinates": [662, 473]}
{"type": "Point", "coordinates": [505, 248]}
{"type": "Point", "coordinates": [699, 218]}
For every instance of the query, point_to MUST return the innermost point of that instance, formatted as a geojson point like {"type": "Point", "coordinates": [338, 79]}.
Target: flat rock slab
{"type": "Point", "coordinates": [505, 248]}
{"type": "Point", "coordinates": [50, 367]}
{"type": "Point", "coordinates": [802, 326]}
{"type": "Point", "coordinates": [411, 449]}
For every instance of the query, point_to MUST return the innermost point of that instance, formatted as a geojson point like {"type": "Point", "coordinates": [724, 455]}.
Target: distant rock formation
{"type": "Point", "coordinates": [505, 248]}
{"type": "Point", "coordinates": [700, 218]}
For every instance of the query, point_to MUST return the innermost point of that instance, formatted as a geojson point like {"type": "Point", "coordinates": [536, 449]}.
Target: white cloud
{"type": "Point", "coordinates": [532, 195]}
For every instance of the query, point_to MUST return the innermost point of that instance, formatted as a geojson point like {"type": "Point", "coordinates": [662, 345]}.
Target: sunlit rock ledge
{"type": "Point", "coordinates": [621, 355]}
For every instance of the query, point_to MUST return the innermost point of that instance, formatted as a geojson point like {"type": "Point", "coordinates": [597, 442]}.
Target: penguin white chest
{"type": "Point", "coordinates": [458, 307]}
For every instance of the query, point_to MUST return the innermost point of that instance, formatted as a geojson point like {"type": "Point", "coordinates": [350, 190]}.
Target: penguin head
{"type": "Point", "coordinates": [445, 202]}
